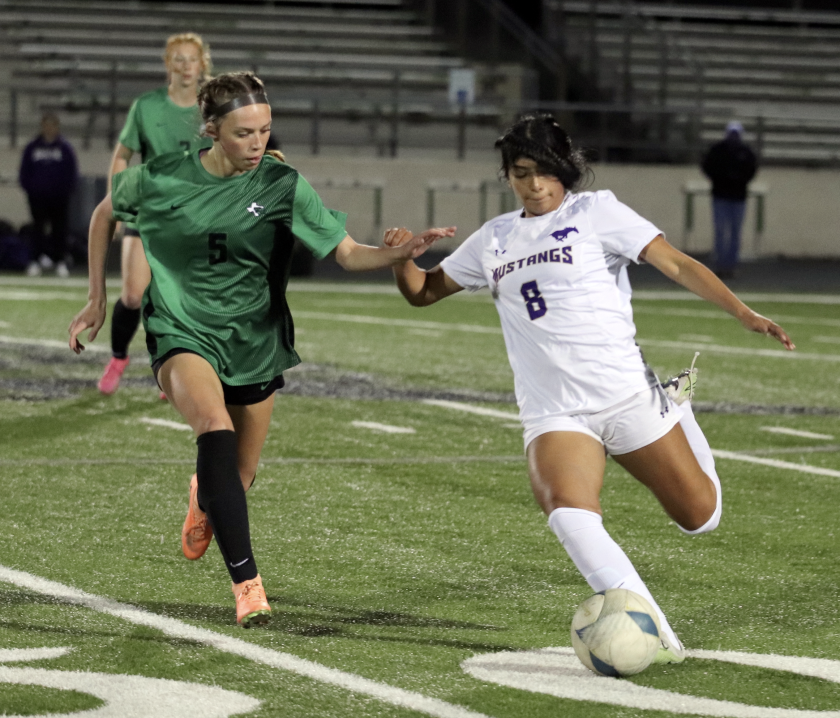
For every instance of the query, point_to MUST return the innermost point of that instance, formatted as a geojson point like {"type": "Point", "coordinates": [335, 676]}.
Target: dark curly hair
{"type": "Point", "coordinates": [539, 138]}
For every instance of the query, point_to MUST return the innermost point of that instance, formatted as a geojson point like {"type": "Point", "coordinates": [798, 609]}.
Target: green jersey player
{"type": "Point", "coordinates": [160, 121]}
{"type": "Point", "coordinates": [217, 227]}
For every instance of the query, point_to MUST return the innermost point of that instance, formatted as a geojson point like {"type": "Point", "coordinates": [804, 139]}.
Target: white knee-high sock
{"type": "Point", "coordinates": [600, 559]}
{"type": "Point", "coordinates": [703, 452]}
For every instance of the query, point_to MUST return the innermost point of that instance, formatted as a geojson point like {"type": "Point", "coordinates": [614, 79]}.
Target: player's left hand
{"type": "Point", "coordinates": [91, 317]}
{"type": "Point", "coordinates": [762, 325]}
{"type": "Point", "coordinates": [414, 245]}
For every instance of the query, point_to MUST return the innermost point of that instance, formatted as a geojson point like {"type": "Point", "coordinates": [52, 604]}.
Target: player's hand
{"type": "Point", "coordinates": [397, 236]}
{"type": "Point", "coordinates": [91, 317]}
{"type": "Point", "coordinates": [413, 245]}
{"type": "Point", "coordinates": [762, 325]}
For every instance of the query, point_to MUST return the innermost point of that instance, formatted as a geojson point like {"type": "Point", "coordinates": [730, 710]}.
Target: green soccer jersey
{"type": "Point", "coordinates": [220, 253]}
{"type": "Point", "coordinates": [155, 125]}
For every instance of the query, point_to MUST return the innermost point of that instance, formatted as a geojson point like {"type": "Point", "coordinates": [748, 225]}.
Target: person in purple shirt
{"type": "Point", "coordinates": [48, 174]}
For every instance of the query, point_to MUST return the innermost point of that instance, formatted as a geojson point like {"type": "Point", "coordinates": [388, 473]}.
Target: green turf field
{"type": "Point", "coordinates": [409, 568]}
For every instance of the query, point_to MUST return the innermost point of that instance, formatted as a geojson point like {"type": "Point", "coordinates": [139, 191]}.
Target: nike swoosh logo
{"type": "Point", "coordinates": [265, 386]}
{"type": "Point", "coordinates": [241, 563]}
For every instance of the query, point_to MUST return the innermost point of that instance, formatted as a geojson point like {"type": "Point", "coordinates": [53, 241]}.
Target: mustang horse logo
{"type": "Point", "coordinates": [561, 234]}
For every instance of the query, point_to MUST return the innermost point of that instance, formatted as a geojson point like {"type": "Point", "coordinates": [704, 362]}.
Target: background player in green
{"type": "Point", "coordinates": [164, 120]}
{"type": "Point", "coordinates": [218, 227]}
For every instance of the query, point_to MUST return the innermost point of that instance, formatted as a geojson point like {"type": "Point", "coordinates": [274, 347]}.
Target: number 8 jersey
{"type": "Point", "coordinates": [562, 294]}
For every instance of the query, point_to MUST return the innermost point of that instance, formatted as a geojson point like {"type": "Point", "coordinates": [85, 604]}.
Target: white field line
{"type": "Point", "coordinates": [405, 323]}
{"type": "Point", "coordinates": [785, 319]}
{"type": "Point", "coordinates": [796, 432]}
{"type": "Point", "coordinates": [270, 460]}
{"type": "Point", "coordinates": [385, 428]}
{"type": "Point", "coordinates": [478, 329]}
{"type": "Point", "coordinates": [826, 340]}
{"type": "Point", "coordinates": [52, 344]}
{"type": "Point", "coordinates": [40, 282]}
{"type": "Point", "coordinates": [28, 295]}
{"type": "Point", "coordinates": [166, 423]}
{"type": "Point", "coordinates": [303, 285]}
{"type": "Point", "coordinates": [738, 351]}
{"type": "Point", "coordinates": [685, 295]}
{"type": "Point", "coordinates": [775, 463]}
{"type": "Point", "coordinates": [470, 409]}
{"type": "Point", "coordinates": [237, 647]}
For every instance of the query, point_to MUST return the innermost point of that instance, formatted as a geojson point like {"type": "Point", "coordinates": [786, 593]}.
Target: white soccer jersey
{"type": "Point", "coordinates": [559, 283]}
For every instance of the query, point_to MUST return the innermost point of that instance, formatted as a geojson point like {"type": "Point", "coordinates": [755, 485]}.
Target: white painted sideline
{"type": "Point", "coordinates": [52, 344]}
{"type": "Point", "coordinates": [165, 422]}
{"type": "Point", "coordinates": [796, 432]}
{"type": "Point", "coordinates": [385, 428]}
{"type": "Point", "coordinates": [718, 453]}
{"type": "Point", "coordinates": [781, 298]}
{"type": "Point", "coordinates": [470, 409]}
{"type": "Point", "coordinates": [720, 314]}
{"type": "Point", "coordinates": [775, 463]}
{"type": "Point", "coordinates": [384, 321]}
{"type": "Point", "coordinates": [236, 646]}
{"type": "Point", "coordinates": [738, 351]}
{"type": "Point", "coordinates": [479, 329]}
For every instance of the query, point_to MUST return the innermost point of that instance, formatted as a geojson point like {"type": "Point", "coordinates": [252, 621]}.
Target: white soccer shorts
{"type": "Point", "coordinates": [624, 427]}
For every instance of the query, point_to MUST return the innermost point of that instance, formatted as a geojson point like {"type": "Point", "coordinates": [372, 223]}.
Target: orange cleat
{"type": "Point", "coordinates": [252, 607]}
{"type": "Point", "coordinates": [197, 532]}
{"type": "Point", "coordinates": [110, 380]}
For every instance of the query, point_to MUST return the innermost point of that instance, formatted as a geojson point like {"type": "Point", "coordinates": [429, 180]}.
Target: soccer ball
{"type": "Point", "coordinates": [616, 633]}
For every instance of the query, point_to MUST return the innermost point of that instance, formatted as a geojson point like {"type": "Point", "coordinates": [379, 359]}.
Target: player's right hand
{"type": "Point", "coordinates": [91, 317]}
{"type": "Point", "coordinates": [397, 236]}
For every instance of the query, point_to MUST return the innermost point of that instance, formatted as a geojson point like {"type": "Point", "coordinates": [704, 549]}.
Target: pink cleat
{"type": "Point", "coordinates": [110, 380]}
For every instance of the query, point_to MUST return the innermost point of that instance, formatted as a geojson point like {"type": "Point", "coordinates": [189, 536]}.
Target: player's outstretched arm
{"type": "Point", "coordinates": [92, 315]}
{"type": "Point", "coordinates": [701, 280]}
{"type": "Point", "coordinates": [419, 287]}
{"type": "Point", "coordinates": [362, 257]}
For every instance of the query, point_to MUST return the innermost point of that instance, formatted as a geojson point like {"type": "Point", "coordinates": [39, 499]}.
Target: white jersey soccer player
{"type": "Point", "coordinates": [557, 270]}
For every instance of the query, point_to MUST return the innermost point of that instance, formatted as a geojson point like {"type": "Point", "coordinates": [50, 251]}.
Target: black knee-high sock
{"type": "Point", "coordinates": [124, 322]}
{"type": "Point", "coordinates": [222, 497]}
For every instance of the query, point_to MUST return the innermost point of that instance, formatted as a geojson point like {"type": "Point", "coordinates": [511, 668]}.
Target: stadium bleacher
{"type": "Point", "coordinates": [775, 70]}
{"type": "Point", "coordinates": [339, 61]}
{"type": "Point", "coordinates": [649, 82]}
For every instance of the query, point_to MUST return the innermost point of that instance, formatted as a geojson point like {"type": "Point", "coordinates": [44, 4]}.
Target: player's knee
{"type": "Point", "coordinates": [248, 476]}
{"type": "Point", "coordinates": [220, 422]}
{"type": "Point", "coordinates": [132, 299]}
{"type": "Point", "coordinates": [704, 518]}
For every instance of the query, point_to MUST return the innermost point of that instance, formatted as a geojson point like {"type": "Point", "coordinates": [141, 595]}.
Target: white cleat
{"type": "Point", "coordinates": [681, 387]}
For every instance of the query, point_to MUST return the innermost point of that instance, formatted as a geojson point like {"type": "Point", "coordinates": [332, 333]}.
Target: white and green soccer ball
{"type": "Point", "coordinates": [616, 633]}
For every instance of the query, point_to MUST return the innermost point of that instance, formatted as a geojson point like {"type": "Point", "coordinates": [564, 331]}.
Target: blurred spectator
{"type": "Point", "coordinates": [48, 174]}
{"type": "Point", "coordinates": [730, 164]}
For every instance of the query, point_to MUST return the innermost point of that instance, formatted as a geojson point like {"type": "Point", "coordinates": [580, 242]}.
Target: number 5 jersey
{"type": "Point", "coordinates": [561, 290]}
{"type": "Point", "coordinates": [220, 253]}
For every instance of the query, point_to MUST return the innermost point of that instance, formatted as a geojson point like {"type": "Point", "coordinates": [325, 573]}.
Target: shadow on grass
{"type": "Point", "coordinates": [336, 622]}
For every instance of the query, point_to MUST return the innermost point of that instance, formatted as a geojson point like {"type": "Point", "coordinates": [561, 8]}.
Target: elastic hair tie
{"type": "Point", "coordinates": [251, 98]}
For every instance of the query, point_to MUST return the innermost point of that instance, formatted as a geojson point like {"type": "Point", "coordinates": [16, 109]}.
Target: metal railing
{"type": "Point", "coordinates": [609, 131]}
